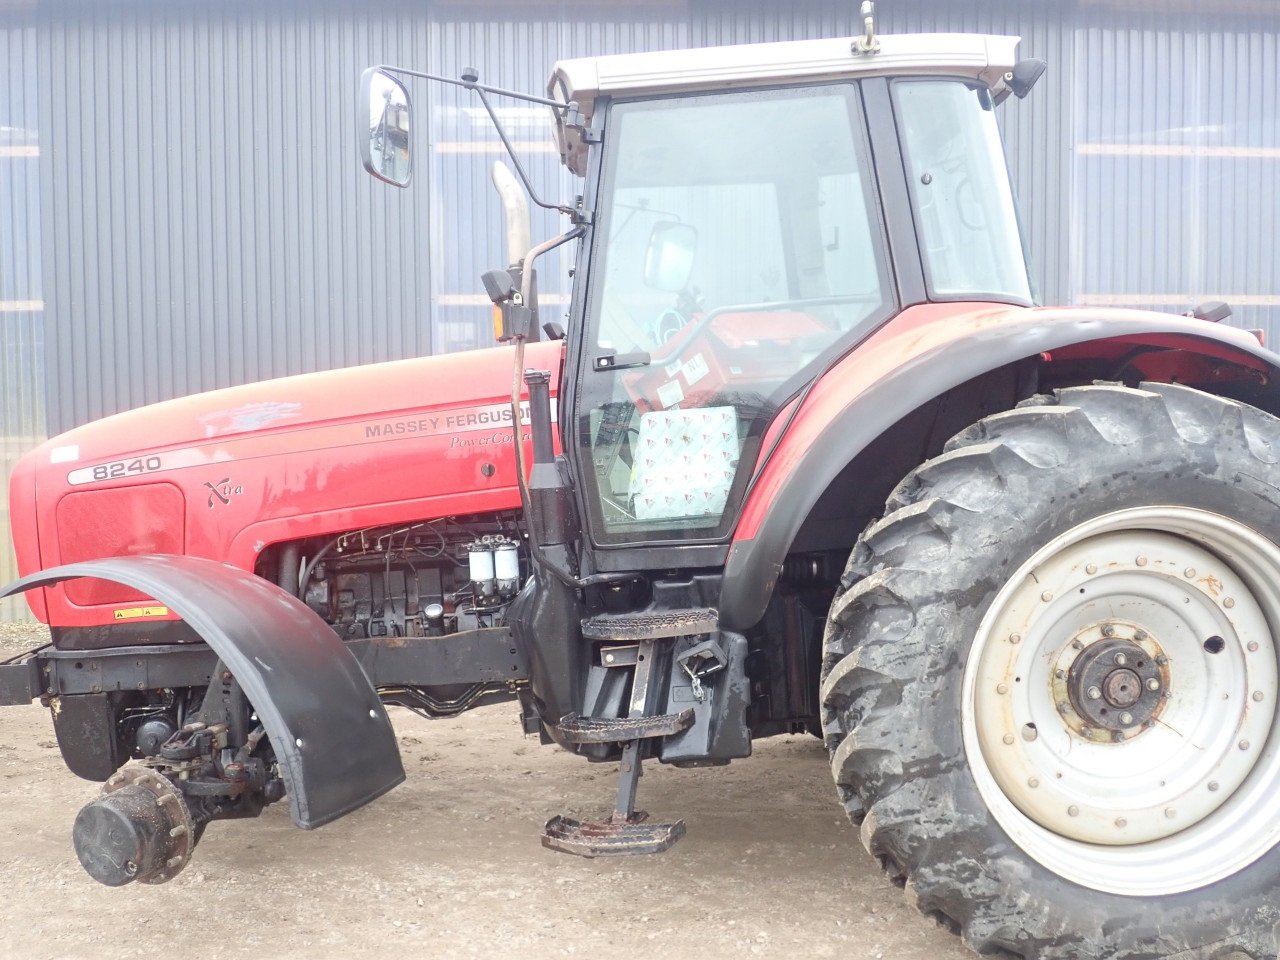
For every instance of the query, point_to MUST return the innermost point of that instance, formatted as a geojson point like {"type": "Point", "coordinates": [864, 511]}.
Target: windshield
{"type": "Point", "coordinates": [738, 244]}
{"type": "Point", "coordinates": [963, 203]}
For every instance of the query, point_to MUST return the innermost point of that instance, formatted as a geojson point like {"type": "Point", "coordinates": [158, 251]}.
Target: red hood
{"type": "Point", "coordinates": [307, 400]}
{"type": "Point", "coordinates": [227, 473]}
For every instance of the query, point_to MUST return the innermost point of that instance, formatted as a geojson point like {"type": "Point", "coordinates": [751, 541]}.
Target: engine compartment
{"type": "Point", "coordinates": [426, 579]}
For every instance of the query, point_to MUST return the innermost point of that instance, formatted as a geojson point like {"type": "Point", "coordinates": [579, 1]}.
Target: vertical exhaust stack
{"type": "Point", "coordinates": [517, 231]}
{"type": "Point", "coordinates": [515, 212]}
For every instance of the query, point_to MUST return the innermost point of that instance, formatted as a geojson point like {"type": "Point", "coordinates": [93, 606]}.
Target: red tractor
{"type": "Point", "coordinates": [803, 455]}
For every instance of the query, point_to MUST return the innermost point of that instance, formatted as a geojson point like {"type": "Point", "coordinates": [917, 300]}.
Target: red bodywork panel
{"type": "Point", "coordinates": [225, 474]}
{"type": "Point", "coordinates": [923, 333]}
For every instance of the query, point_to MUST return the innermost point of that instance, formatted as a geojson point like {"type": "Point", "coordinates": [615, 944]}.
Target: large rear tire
{"type": "Point", "coordinates": [1049, 685]}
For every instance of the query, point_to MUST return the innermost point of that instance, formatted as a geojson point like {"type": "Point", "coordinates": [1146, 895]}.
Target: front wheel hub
{"type": "Point", "coordinates": [138, 829]}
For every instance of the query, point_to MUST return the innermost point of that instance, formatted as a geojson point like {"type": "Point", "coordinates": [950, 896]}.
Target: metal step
{"type": "Point", "coordinates": [609, 838]}
{"type": "Point", "coordinates": [578, 729]}
{"type": "Point", "coordinates": [648, 625]}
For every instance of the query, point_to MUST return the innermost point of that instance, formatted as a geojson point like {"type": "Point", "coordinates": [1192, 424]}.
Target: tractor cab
{"type": "Point", "coordinates": [755, 214]}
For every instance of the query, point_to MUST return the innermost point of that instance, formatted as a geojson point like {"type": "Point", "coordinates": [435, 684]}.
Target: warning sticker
{"type": "Point", "coordinates": [134, 613]}
{"type": "Point", "coordinates": [669, 394]}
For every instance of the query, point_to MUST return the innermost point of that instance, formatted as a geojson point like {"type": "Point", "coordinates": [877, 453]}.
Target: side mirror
{"type": "Point", "coordinates": [383, 131]}
{"type": "Point", "coordinates": [1024, 76]}
{"type": "Point", "coordinates": [668, 260]}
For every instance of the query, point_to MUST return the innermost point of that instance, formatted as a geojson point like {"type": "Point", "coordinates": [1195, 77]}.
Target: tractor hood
{"type": "Point", "coordinates": [291, 403]}
{"type": "Point", "coordinates": [225, 474]}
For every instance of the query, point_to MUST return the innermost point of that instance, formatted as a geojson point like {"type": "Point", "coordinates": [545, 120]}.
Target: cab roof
{"type": "Point", "coordinates": [977, 56]}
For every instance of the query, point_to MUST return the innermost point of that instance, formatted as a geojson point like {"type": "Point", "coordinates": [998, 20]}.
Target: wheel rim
{"type": "Point", "coordinates": [1119, 699]}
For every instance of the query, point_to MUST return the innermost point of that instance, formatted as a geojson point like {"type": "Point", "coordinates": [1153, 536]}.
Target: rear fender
{"type": "Point", "coordinates": [938, 348]}
{"type": "Point", "coordinates": [331, 735]}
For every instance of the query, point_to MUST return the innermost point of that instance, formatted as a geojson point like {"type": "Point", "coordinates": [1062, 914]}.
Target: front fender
{"type": "Point", "coordinates": [916, 357]}
{"type": "Point", "coordinates": [331, 735]}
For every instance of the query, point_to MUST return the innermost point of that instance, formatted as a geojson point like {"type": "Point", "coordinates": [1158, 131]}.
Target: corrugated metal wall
{"type": "Point", "coordinates": [1177, 156]}
{"type": "Point", "coordinates": [22, 382]}
{"type": "Point", "coordinates": [190, 213]}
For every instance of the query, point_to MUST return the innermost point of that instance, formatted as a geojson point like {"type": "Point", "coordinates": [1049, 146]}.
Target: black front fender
{"type": "Point", "coordinates": [331, 735]}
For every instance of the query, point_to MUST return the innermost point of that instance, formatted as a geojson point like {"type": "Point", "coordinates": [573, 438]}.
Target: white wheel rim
{"type": "Point", "coordinates": [1193, 797]}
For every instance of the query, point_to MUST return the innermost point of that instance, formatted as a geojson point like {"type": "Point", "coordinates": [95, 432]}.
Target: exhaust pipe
{"type": "Point", "coordinates": [515, 210]}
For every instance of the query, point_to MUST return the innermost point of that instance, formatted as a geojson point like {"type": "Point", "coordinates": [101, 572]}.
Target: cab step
{"type": "Point", "coordinates": [625, 831]}
{"type": "Point", "coordinates": [650, 625]}
{"type": "Point", "coordinates": [576, 729]}
{"type": "Point", "coordinates": [608, 838]}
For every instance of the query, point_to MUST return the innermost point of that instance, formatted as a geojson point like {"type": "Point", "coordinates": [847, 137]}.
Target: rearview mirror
{"type": "Point", "coordinates": [668, 260]}
{"type": "Point", "coordinates": [384, 127]}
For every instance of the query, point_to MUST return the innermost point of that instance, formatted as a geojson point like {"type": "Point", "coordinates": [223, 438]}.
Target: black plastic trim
{"type": "Point", "coordinates": [890, 170]}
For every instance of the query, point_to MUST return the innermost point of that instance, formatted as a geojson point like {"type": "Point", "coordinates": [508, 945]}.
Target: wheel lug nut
{"type": "Point", "coordinates": [1121, 822]}
{"type": "Point", "coordinates": [1008, 739]}
{"type": "Point", "coordinates": [1002, 688]}
{"type": "Point", "coordinates": [1095, 693]}
{"type": "Point", "coordinates": [1153, 683]}
{"type": "Point", "coordinates": [1108, 630]}
{"type": "Point", "coordinates": [1161, 660]}
{"type": "Point", "coordinates": [1015, 638]}
{"type": "Point", "coordinates": [1117, 737]}
{"type": "Point", "coordinates": [1121, 659]}
{"type": "Point", "coordinates": [1170, 812]}
{"type": "Point", "coordinates": [1141, 561]}
{"type": "Point", "coordinates": [1062, 707]}
{"type": "Point", "coordinates": [1126, 718]}
{"type": "Point", "coordinates": [1228, 603]}
{"type": "Point", "coordinates": [1047, 596]}
{"type": "Point", "coordinates": [1243, 744]}
{"type": "Point", "coordinates": [1060, 674]}
{"type": "Point", "coordinates": [1189, 572]}
{"type": "Point", "coordinates": [1253, 646]}
{"type": "Point", "coordinates": [1077, 644]}
{"type": "Point", "coordinates": [1257, 696]}
{"type": "Point", "coordinates": [1073, 811]}
{"type": "Point", "coordinates": [1213, 786]}
{"type": "Point", "coordinates": [1091, 568]}
{"type": "Point", "coordinates": [1140, 635]}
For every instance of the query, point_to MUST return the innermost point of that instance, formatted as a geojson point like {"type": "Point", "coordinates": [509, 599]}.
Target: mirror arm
{"type": "Point", "coordinates": [502, 134]}
{"type": "Point", "coordinates": [469, 80]}
{"type": "Point", "coordinates": [517, 426]}
{"type": "Point", "coordinates": [473, 85]}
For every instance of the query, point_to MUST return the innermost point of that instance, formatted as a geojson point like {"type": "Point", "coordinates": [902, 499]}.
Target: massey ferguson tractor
{"type": "Point", "coordinates": [803, 454]}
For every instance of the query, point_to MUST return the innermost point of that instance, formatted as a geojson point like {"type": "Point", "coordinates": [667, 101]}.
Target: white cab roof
{"type": "Point", "coordinates": [980, 57]}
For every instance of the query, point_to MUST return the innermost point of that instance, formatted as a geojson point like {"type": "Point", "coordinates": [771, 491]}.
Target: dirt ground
{"type": "Point", "coordinates": [449, 863]}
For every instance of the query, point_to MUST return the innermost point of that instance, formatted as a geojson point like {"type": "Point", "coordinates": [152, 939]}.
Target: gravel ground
{"type": "Point", "coordinates": [449, 863]}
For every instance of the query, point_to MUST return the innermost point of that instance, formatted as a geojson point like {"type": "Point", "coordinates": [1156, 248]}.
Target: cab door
{"type": "Point", "coordinates": [739, 247]}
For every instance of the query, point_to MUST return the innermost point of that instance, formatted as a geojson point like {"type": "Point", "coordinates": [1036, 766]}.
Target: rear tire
{"type": "Point", "coordinates": [1030, 791]}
